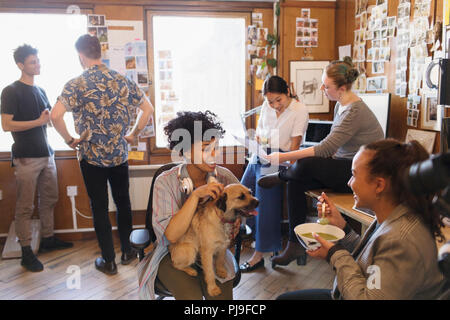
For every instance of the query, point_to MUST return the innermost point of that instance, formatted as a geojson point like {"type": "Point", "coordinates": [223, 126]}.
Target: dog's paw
{"type": "Point", "coordinates": [191, 271]}
{"type": "Point", "coordinates": [214, 290]}
{"type": "Point", "coordinates": [221, 272]}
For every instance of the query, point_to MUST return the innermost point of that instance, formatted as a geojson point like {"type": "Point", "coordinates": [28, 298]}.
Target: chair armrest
{"type": "Point", "coordinates": [140, 239]}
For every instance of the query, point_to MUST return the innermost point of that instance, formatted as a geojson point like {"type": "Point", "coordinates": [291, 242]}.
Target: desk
{"type": "Point", "coordinates": [344, 203]}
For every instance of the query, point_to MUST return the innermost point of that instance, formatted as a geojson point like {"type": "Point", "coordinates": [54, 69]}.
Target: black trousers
{"type": "Point", "coordinates": [95, 179]}
{"type": "Point", "coordinates": [308, 174]}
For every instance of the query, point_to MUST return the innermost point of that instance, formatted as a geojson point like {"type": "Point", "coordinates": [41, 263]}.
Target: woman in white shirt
{"type": "Point", "coordinates": [281, 127]}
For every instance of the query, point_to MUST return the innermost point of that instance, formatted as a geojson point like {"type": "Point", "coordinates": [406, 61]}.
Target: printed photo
{"type": "Point", "coordinates": [305, 13]}
{"type": "Point", "coordinates": [130, 62]}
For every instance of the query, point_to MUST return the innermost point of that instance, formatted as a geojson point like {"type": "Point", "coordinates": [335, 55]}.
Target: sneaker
{"type": "Point", "coordinates": [53, 243]}
{"type": "Point", "coordinates": [30, 261]}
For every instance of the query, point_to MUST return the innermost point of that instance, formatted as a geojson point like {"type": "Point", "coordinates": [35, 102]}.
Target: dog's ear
{"type": "Point", "coordinates": [221, 203]}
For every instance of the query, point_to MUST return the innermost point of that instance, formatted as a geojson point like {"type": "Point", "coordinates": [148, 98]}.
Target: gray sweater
{"type": "Point", "coordinates": [354, 127]}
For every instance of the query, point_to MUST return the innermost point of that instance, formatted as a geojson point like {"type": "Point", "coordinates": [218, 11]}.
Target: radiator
{"type": "Point", "coordinates": [140, 181]}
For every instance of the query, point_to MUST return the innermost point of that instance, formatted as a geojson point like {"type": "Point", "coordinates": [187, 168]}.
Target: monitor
{"type": "Point", "coordinates": [379, 104]}
{"type": "Point", "coordinates": [316, 132]}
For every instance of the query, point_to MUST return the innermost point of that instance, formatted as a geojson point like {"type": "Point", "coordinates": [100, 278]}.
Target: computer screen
{"type": "Point", "coordinates": [379, 104]}
{"type": "Point", "coordinates": [316, 132]}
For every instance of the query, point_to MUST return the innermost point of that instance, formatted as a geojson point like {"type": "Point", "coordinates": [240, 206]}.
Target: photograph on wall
{"type": "Point", "coordinates": [306, 77]}
{"type": "Point", "coordinates": [431, 113]}
{"type": "Point", "coordinates": [376, 83]}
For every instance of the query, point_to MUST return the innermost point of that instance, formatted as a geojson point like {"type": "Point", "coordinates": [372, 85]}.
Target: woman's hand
{"type": "Point", "coordinates": [275, 158]}
{"type": "Point", "coordinates": [322, 251]}
{"type": "Point", "coordinates": [213, 190]}
{"type": "Point", "coordinates": [331, 212]}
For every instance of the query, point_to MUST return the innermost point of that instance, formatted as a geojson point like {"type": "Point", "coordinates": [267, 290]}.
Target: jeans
{"type": "Point", "coordinates": [308, 174]}
{"type": "Point", "coordinates": [268, 221]}
{"type": "Point", "coordinates": [95, 179]}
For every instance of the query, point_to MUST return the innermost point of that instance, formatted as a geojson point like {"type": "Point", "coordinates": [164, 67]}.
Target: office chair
{"type": "Point", "coordinates": [142, 238]}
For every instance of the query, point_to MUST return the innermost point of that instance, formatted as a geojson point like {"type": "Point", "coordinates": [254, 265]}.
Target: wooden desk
{"type": "Point", "coordinates": [344, 202]}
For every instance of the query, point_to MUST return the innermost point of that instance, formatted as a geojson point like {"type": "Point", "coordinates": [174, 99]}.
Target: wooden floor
{"type": "Point", "coordinates": [50, 284]}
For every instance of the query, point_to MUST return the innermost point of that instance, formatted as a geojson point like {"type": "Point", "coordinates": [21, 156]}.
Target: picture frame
{"type": "Point", "coordinates": [430, 112]}
{"type": "Point", "coordinates": [306, 78]}
{"type": "Point", "coordinates": [425, 138]}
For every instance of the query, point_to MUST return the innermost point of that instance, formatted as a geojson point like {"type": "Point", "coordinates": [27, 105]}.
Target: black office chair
{"type": "Point", "coordinates": [140, 239]}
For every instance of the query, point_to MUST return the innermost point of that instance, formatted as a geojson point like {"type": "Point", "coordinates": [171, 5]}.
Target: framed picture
{"type": "Point", "coordinates": [306, 78]}
{"type": "Point", "coordinates": [431, 113]}
{"type": "Point", "coordinates": [425, 138]}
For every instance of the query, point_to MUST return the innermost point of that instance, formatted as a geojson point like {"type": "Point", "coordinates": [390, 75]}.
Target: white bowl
{"type": "Point", "coordinates": [313, 244]}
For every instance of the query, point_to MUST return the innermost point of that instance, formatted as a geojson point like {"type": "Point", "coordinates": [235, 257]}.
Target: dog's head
{"type": "Point", "coordinates": [236, 200]}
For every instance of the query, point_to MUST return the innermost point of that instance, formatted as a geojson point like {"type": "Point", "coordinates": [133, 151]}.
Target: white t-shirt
{"type": "Point", "coordinates": [292, 122]}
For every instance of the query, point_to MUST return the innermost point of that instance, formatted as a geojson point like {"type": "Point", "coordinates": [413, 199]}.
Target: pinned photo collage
{"type": "Point", "coordinates": [403, 37]}
{"type": "Point", "coordinates": [420, 36]}
{"type": "Point", "coordinates": [412, 105]}
{"type": "Point", "coordinates": [97, 28]}
{"type": "Point", "coordinates": [380, 29]}
{"type": "Point", "coordinates": [168, 96]}
{"type": "Point", "coordinates": [257, 47]}
{"type": "Point", "coordinates": [306, 30]}
{"type": "Point", "coordinates": [136, 63]}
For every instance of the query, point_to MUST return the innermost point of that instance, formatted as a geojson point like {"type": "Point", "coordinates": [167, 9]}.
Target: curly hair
{"type": "Point", "coordinates": [190, 121]}
{"type": "Point", "coordinates": [22, 52]}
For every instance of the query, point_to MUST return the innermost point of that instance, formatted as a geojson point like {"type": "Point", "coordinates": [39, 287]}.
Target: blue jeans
{"type": "Point", "coordinates": [267, 223]}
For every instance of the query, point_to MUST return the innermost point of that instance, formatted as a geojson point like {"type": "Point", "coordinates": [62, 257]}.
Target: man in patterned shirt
{"type": "Point", "coordinates": [101, 101]}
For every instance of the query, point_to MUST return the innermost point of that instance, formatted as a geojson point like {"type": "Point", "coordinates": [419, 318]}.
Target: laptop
{"type": "Point", "coordinates": [316, 132]}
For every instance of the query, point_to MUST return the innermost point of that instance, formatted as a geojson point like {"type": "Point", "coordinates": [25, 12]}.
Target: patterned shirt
{"type": "Point", "coordinates": [102, 102]}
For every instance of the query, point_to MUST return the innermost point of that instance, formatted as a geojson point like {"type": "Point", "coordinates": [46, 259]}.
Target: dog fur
{"type": "Point", "coordinates": [207, 236]}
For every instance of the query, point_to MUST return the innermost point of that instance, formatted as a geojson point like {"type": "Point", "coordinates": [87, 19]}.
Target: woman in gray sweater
{"type": "Point", "coordinates": [328, 164]}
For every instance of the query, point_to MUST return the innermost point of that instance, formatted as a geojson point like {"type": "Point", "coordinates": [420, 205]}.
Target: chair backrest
{"type": "Point", "coordinates": [149, 213]}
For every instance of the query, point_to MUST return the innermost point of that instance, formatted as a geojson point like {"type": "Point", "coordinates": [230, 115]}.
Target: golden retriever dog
{"type": "Point", "coordinates": [207, 235]}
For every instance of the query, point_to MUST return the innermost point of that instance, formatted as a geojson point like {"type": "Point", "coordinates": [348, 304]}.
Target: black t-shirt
{"type": "Point", "coordinates": [26, 103]}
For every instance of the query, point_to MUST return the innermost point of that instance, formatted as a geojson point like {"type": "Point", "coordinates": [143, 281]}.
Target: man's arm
{"type": "Point", "coordinates": [8, 124]}
{"type": "Point", "coordinates": [146, 110]}
{"type": "Point", "coordinates": [57, 117]}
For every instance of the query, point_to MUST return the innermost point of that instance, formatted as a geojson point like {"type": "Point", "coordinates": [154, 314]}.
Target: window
{"type": "Point", "coordinates": [199, 65]}
{"type": "Point", "coordinates": [54, 36]}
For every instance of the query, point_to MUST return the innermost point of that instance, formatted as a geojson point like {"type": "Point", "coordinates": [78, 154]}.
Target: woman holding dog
{"type": "Point", "coordinates": [177, 192]}
{"type": "Point", "coordinates": [397, 257]}
{"type": "Point", "coordinates": [281, 127]}
{"type": "Point", "coordinates": [326, 165]}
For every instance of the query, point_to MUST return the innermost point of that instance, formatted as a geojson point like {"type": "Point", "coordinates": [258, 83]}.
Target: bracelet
{"type": "Point", "coordinates": [70, 141]}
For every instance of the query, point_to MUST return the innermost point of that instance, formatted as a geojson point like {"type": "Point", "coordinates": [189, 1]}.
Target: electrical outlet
{"type": "Point", "coordinates": [72, 191]}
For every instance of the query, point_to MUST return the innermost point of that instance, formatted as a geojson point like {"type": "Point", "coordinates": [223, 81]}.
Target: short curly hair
{"type": "Point", "coordinates": [189, 121]}
{"type": "Point", "coordinates": [22, 52]}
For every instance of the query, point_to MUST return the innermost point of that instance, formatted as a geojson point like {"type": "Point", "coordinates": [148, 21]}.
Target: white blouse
{"type": "Point", "coordinates": [279, 131]}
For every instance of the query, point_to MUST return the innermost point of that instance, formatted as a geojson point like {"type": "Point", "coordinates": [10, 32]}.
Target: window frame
{"type": "Point", "coordinates": [150, 13]}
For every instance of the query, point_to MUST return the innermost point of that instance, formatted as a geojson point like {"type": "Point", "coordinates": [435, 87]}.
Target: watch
{"type": "Point", "coordinates": [70, 141]}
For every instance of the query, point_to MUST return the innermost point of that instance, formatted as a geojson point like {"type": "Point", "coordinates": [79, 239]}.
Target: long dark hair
{"type": "Point", "coordinates": [390, 160]}
{"type": "Point", "coordinates": [276, 84]}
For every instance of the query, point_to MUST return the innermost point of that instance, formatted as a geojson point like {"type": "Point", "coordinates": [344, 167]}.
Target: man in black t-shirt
{"type": "Point", "coordinates": [25, 112]}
